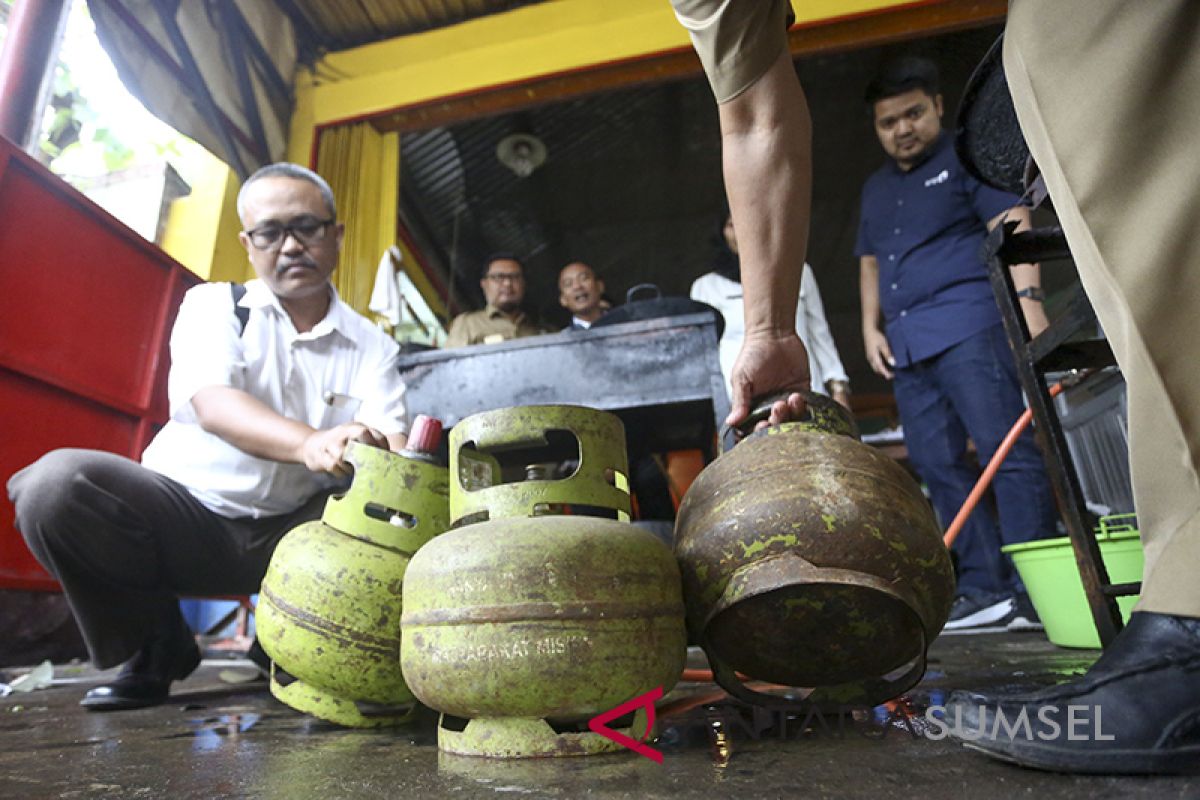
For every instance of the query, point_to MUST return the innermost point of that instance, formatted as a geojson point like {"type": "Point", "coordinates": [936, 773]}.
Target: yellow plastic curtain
{"type": "Point", "coordinates": [363, 168]}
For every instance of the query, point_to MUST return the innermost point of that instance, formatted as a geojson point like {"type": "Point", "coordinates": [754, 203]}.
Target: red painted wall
{"type": "Point", "coordinates": [86, 307]}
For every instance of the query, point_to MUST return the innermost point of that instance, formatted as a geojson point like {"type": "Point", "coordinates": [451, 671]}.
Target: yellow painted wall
{"type": "Point", "coordinates": [201, 230]}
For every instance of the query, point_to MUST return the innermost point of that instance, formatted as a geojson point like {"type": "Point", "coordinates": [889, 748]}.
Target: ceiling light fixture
{"type": "Point", "coordinates": [522, 153]}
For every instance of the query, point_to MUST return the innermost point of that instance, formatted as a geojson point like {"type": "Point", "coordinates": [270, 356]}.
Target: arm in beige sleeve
{"type": "Point", "coordinates": [766, 141]}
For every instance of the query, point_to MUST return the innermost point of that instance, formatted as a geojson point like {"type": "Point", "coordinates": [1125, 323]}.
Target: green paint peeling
{"type": "Point", "coordinates": [756, 547]}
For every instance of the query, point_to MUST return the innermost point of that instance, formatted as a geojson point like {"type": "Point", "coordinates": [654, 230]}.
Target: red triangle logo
{"type": "Point", "coordinates": [597, 724]}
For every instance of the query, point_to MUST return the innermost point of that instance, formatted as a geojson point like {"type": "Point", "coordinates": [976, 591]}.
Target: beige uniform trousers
{"type": "Point", "coordinates": [1108, 95]}
{"type": "Point", "coordinates": [737, 40]}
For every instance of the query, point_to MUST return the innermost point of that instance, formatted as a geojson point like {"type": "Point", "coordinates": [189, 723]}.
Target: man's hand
{"type": "Point", "coordinates": [767, 364]}
{"type": "Point", "coordinates": [767, 162]}
{"type": "Point", "coordinates": [324, 451]}
{"type": "Point", "coordinates": [879, 352]}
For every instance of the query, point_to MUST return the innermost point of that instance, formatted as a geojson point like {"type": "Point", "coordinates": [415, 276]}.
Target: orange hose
{"type": "Point", "coordinates": [686, 704]}
{"type": "Point", "coordinates": [993, 467]}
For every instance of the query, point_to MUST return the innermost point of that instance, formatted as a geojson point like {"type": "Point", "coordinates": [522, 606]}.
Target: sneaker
{"type": "Point", "coordinates": [1023, 617]}
{"type": "Point", "coordinates": [980, 610]}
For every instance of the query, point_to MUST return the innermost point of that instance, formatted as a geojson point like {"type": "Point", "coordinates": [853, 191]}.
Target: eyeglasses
{"type": "Point", "coordinates": [306, 230]}
{"type": "Point", "coordinates": [501, 277]}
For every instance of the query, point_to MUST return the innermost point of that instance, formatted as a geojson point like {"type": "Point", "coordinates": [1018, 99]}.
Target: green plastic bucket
{"type": "Point", "coordinates": [1051, 577]}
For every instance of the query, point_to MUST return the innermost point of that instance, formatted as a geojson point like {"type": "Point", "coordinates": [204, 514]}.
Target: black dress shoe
{"type": "Point", "coordinates": [146, 679]}
{"type": "Point", "coordinates": [1136, 711]}
{"type": "Point", "coordinates": [259, 658]}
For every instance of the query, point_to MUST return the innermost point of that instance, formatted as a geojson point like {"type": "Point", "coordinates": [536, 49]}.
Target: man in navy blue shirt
{"type": "Point", "coordinates": [923, 222]}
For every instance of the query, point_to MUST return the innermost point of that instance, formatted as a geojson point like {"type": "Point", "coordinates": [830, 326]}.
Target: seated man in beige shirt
{"type": "Point", "coordinates": [503, 285]}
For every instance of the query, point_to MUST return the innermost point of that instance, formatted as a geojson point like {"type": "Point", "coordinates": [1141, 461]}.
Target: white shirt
{"type": "Point", "coordinates": [290, 372]}
{"type": "Point", "coordinates": [812, 328]}
{"type": "Point", "coordinates": [582, 323]}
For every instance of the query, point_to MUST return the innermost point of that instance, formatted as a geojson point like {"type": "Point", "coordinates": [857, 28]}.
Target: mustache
{"type": "Point", "coordinates": [304, 261]}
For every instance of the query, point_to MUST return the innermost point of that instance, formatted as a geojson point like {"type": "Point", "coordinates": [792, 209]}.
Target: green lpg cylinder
{"type": "Point", "coordinates": [330, 605]}
{"type": "Point", "coordinates": [535, 615]}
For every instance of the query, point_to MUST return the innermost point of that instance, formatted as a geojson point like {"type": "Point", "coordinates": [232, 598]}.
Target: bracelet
{"type": "Point", "coordinates": [1034, 293]}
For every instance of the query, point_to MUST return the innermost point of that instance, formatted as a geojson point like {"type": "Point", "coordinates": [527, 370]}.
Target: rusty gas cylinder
{"type": "Point", "coordinates": [810, 559]}
{"type": "Point", "coordinates": [528, 622]}
{"type": "Point", "coordinates": [329, 609]}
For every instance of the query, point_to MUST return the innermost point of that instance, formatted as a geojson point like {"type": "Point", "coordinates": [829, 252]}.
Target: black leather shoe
{"type": "Point", "coordinates": [146, 679]}
{"type": "Point", "coordinates": [1136, 711]}
{"type": "Point", "coordinates": [259, 658]}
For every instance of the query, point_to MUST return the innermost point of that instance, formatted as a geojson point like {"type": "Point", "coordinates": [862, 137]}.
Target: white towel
{"type": "Point", "coordinates": [385, 296]}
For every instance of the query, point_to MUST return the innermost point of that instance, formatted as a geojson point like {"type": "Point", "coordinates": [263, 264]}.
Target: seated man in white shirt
{"type": "Point", "coordinates": [252, 448]}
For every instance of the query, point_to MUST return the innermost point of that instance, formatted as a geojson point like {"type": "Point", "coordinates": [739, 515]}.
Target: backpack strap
{"type": "Point", "coordinates": [238, 291]}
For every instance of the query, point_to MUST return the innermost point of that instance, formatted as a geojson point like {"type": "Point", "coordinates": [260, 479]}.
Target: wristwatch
{"type": "Point", "coordinates": [836, 386]}
{"type": "Point", "coordinates": [1034, 293]}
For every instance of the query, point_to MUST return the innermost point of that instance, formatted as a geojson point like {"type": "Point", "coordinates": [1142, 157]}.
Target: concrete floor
{"type": "Point", "coordinates": [216, 739]}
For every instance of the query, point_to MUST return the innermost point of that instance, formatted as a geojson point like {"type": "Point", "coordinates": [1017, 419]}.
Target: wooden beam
{"type": "Point", "coordinates": [907, 22]}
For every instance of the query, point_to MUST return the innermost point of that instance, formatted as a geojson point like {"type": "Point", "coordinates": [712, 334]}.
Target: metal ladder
{"type": "Point", "coordinates": [1056, 350]}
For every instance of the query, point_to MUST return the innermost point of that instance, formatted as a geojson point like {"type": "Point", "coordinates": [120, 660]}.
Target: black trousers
{"type": "Point", "coordinates": [126, 542]}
